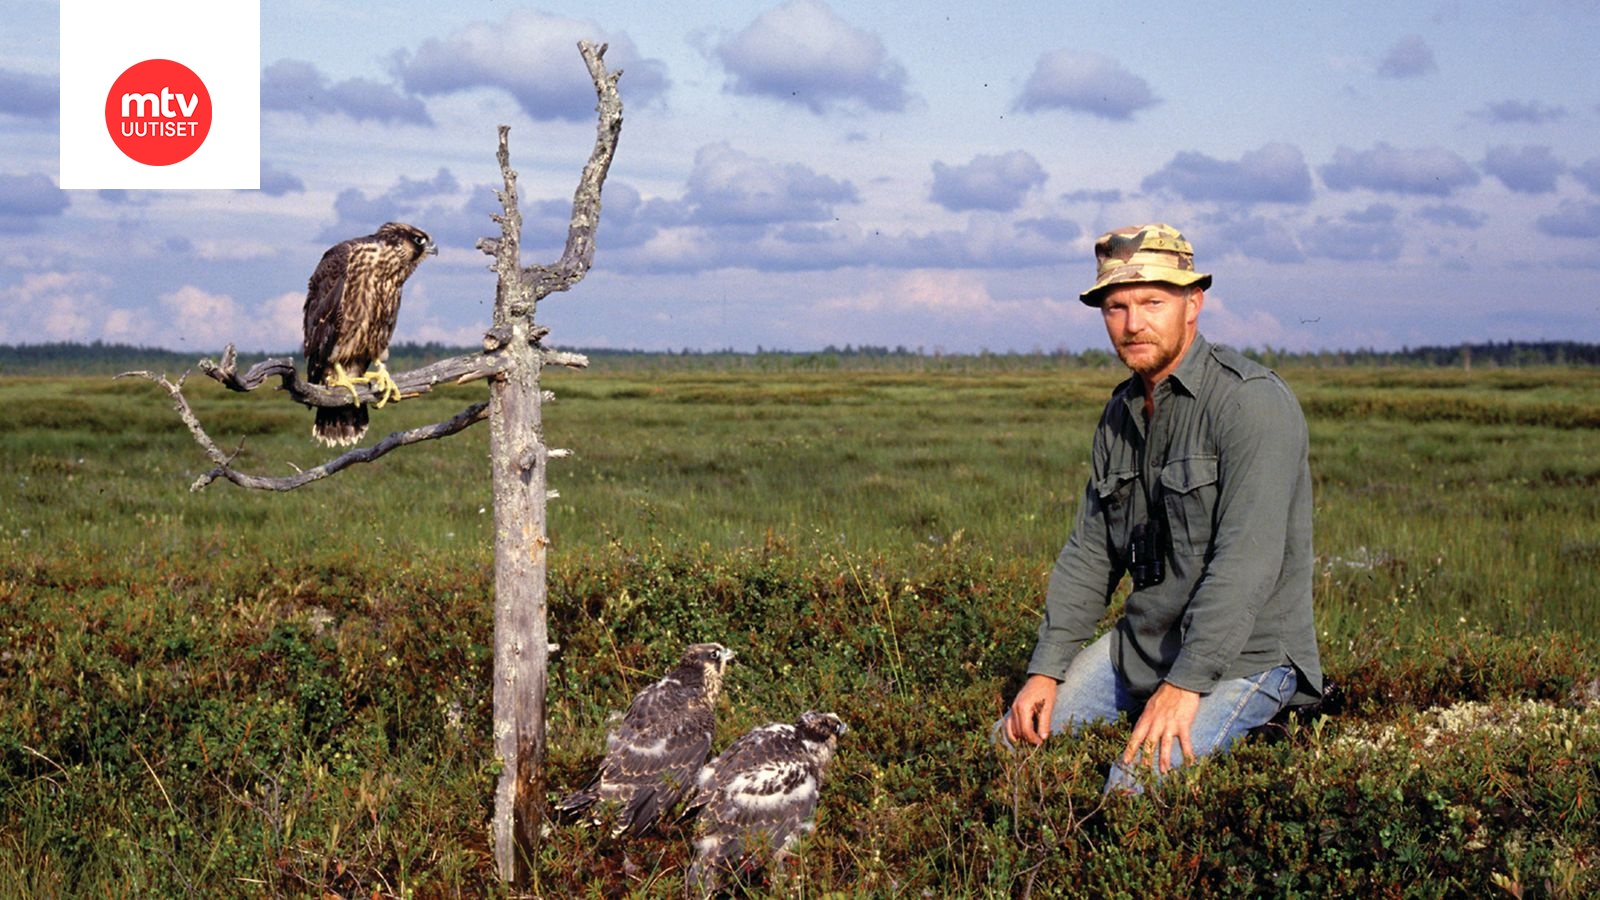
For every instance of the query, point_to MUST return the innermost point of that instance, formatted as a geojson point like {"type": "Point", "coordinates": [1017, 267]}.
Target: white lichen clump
{"type": "Point", "coordinates": [1533, 720]}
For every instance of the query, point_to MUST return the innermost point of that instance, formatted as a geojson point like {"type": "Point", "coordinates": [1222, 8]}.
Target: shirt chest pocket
{"type": "Point", "coordinates": [1189, 490]}
{"type": "Point", "coordinates": [1115, 492]}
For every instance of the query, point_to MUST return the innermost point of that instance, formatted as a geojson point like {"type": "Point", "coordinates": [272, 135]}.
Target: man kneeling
{"type": "Point", "coordinates": [1199, 490]}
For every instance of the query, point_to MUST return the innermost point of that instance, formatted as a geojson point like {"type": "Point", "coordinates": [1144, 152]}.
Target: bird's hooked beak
{"type": "Point", "coordinates": [431, 249]}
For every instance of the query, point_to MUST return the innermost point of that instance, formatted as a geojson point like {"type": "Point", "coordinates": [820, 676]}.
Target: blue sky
{"type": "Point", "coordinates": [798, 174]}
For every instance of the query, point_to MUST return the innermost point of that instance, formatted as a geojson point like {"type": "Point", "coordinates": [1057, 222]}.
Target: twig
{"type": "Point", "coordinates": [151, 769]}
{"type": "Point", "coordinates": [64, 772]}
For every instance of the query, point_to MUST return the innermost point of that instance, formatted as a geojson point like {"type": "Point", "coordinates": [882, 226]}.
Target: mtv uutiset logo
{"type": "Point", "coordinates": [161, 94]}
{"type": "Point", "coordinates": [158, 128]}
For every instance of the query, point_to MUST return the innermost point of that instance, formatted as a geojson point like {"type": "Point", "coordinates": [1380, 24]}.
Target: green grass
{"type": "Point", "coordinates": [259, 694]}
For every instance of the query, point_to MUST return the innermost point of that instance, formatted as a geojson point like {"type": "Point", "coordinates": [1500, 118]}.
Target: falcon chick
{"type": "Point", "coordinates": [352, 303]}
{"type": "Point", "coordinates": [653, 754]}
{"type": "Point", "coordinates": [758, 798]}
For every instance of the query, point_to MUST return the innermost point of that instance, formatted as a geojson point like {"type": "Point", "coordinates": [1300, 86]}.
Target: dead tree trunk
{"type": "Point", "coordinates": [519, 454]}
{"type": "Point", "coordinates": [521, 642]}
{"type": "Point", "coordinates": [513, 358]}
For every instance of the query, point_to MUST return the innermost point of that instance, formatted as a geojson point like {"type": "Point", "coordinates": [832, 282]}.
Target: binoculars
{"type": "Point", "coordinates": [1147, 553]}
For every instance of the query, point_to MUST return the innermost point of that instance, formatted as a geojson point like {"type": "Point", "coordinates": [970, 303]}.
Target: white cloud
{"type": "Point", "coordinates": [1528, 169]}
{"type": "Point", "coordinates": [1410, 57]}
{"type": "Point", "coordinates": [25, 200]}
{"type": "Point", "coordinates": [1256, 329]}
{"type": "Point", "coordinates": [728, 186]}
{"type": "Point", "coordinates": [533, 56]}
{"type": "Point", "coordinates": [1087, 82]}
{"type": "Point", "coordinates": [1520, 112]}
{"type": "Point", "coordinates": [29, 95]}
{"type": "Point", "coordinates": [53, 306]}
{"type": "Point", "coordinates": [944, 294]}
{"type": "Point", "coordinates": [291, 85]}
{"type": "Point", "coordinates": [207, 321]}
{"type": "Point", "coordinates": [1276, 173]}
{"type": "Point", "coordinates": [201, 318]}
{"type": "Point", "coordinates": [1424, 171]}
{"type": "Point", "coordinates": [803, 53]}
{"type": "Point", "coordinates": [234, 250]}
{"type": "Point", "coordinates": [995, 182]}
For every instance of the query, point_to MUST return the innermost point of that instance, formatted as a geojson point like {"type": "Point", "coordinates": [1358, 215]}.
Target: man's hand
{"type": "Point", "coordinates": [1168, 715]}
{"type": "Point", "coordinates": [1030, 712]}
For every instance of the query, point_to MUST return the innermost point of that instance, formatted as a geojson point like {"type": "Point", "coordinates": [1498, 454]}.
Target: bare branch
{"type": "Point", "coordinates": [415, 383]}
{"type": "Point", "coordinates": [513, 300]}
{"type": "Point", "coordinates": [175, 391]}
{"type": "Point", "coordinates": [538, 282]}
{"type": "Point", "coordinates": [563, 358]}
{"type": "Point", "coordinates": [473, 414]}
{"type": "Point", "coordinates": [578, 254]}
{"type": "Point", "coordinates": [468, 417]}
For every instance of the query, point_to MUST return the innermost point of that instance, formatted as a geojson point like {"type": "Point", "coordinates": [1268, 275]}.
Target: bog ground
{"type": "Point", "coordinates": [228, 693]}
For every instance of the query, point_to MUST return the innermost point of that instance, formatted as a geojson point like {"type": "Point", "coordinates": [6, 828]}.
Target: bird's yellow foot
{"type": "Point", "coordinates": [342, 379]}
{"type": "Point", "coordinates": [383, 385]}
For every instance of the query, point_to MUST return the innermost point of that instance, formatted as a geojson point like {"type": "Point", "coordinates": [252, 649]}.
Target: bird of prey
{"type": "Point", "coordinates": [655, 751]}
{"type": "Point", "coordinates": [758, 798]}
{"type": "Point", "coordinates": [352, 302]}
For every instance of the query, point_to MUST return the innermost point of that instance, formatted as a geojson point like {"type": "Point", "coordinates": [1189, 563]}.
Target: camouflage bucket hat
{"type": "Point", "coordinates": [1143, 253]}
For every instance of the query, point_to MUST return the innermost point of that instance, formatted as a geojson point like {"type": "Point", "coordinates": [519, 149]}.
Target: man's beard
{"type": "Point", "coordinates": [1148, 363]}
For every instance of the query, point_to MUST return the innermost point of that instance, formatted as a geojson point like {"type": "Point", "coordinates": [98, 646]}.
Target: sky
{"type": "Point", "coordinates": [1357, 175]}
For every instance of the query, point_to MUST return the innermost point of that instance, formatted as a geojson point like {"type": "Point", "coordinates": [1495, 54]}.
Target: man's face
{"type": "Point", "coordinates": [1150, 324]}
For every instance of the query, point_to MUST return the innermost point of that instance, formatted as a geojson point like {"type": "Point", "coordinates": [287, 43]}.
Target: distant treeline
{"type": "Point", "coordinates": [99, 358]}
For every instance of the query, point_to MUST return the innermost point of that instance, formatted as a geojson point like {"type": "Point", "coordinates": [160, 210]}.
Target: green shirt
{"type": "Point", "coordinates": [1225, 457]}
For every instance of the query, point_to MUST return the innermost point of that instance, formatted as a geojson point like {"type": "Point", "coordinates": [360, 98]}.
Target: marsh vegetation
{"type": "Point", "coordinates": [247, 694]}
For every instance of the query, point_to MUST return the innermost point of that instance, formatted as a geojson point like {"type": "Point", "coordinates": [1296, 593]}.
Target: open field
{"type": "Point", "coordinates": [288, 694]}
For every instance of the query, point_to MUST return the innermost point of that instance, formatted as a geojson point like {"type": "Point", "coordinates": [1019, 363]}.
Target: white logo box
{"type": "Point", "coordinates": [219, 39]}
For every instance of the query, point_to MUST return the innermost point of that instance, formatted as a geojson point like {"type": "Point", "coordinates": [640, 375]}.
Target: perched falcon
{"type": "Point", "coordinates": [352, 303]}
{"type": "Point", "coordinates": [654, 753]}
{"type": "Point", "coordinates": [758, 797]}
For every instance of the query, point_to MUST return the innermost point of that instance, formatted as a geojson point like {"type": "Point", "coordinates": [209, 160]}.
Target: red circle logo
{"type": "Point", "coordinates": [158, 112]}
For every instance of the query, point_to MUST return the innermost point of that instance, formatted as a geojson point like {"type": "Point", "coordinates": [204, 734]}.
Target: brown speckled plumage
{"type": "Point", "coordinates": [352, 304]}
{"type": "Point", "coordinates": [757, 798]}
{"type": "Point", "coordinates": [655, 752]}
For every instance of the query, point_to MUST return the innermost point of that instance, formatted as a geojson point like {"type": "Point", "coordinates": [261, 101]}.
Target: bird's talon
{"type": "Point", "coordinates": [342, 379]}
{"type": "Point", "coordinates": [386, 388]}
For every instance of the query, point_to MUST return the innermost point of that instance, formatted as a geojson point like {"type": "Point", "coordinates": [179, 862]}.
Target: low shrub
{"type": "Point", "coordinates": [172, 727]}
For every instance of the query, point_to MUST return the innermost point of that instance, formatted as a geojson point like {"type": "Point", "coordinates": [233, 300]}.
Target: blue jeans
{"type": "Point", "coordinates": [1095, 691]}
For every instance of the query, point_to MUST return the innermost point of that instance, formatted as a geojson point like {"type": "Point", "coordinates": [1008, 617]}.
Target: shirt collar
{"type": "Point", "coordinates": [1185, 378]}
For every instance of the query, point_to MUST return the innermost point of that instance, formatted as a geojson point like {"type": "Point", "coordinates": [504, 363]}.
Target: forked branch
{"type": "Point", "coordinates": [577, 256]}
